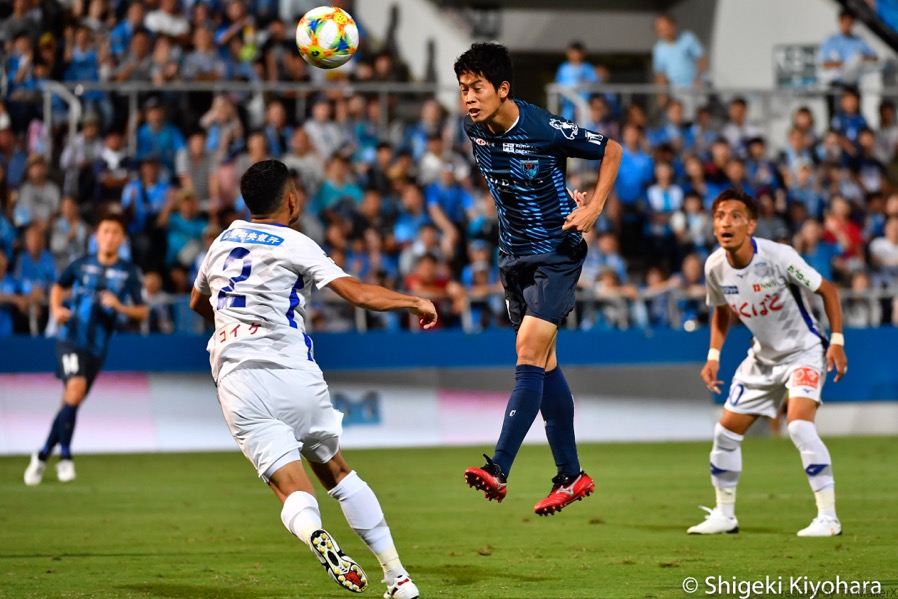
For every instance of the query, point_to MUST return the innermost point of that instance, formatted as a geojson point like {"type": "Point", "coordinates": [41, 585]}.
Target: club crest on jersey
{"type": "Point", "coordinates": [530, 168]}
{"type": "Point", "coordinates": [567, 128]}
{"type": "Point", "coordinates": [762, 269]}
{"type": "Point", "coordinates": [480, 142]}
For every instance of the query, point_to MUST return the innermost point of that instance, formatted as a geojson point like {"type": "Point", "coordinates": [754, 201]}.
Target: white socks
{"type": "Point", "coordinates": [817, 464]}
{"type": "Point", "coordinates": [726, 467]}
{"type": "Point", "coordinates": [366, 518]}
{"type": "Point", "coordinates": [300, 515]}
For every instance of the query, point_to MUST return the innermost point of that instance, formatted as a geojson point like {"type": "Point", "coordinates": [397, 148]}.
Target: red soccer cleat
{"type": "Point", "coordinates": [488, 479]}
{"type": "Point", "coordinates": [565, 491]}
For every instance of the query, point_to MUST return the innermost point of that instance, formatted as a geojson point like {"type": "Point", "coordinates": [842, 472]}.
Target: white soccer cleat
{"type": "Point", "coordinates": [715, 523]}
{"type": "Point", "coordinates": [402, 587]}
{"type": "Point", "coordinates": [34, 473]}
{"type": "Point", "coordinates": [822, 526]}
{"type": "Point", "coordinates": [342, 569]}
{"type": "Point", "coordinates": [65, 471]}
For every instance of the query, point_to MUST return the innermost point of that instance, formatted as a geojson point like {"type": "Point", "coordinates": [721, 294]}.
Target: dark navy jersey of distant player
{"type": "Point", "coordinates": [525, 168]}
{"type": "Point", "coordinates": [93, 324]}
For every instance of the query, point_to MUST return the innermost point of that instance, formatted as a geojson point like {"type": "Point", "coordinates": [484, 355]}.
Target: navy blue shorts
{"type": "Point", "coordinates": [72, 361]}
{"type": "Point", "coordinates": [541, 285]}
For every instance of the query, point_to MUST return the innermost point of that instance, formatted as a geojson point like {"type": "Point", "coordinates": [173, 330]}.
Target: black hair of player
{"type": "Point", "coordinates": [489, 59]}
{"type": "Point", "coordinates": [263, 185]}
{"type": "Point", "coordinates": [113, 217]}
{"type": "Point", "coordinates": [738, 196]}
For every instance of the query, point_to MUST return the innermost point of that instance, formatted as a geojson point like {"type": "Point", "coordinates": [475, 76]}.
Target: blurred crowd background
{"type": "Point", "coordinates": [388, 182]}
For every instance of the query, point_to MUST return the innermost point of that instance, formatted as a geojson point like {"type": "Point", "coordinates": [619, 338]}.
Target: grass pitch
{"type": "Point", "coordinates": [202, 526]}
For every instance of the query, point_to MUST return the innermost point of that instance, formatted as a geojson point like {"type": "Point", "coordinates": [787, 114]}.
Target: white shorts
{"type": "Point", "coordinates": [758, 388]}
{"type": "Point", "coordinates": [277, 414]}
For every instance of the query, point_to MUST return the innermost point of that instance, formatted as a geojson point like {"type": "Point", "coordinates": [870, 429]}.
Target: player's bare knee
{"type": "Point", "coordinates": [75, 390]}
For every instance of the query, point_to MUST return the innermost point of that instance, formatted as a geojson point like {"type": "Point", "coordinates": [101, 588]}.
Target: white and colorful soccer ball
{"type": "Point", "coordinates": [327, 37]}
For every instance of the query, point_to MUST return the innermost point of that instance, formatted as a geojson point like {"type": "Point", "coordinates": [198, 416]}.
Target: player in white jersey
{"type": "Point", "coordinates": [763, 284]}
{"type": "Point", "coordinates": [255, 283]}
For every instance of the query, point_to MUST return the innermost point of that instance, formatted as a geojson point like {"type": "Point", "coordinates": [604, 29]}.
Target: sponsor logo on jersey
{"type": "Point", "coordinates": [799, 276]}
{"type": "Point", "coordinates": [757, 287]}
{"type": "Point", "coordinates": [805, 377]}
{"type": "Point", "coordinates": [251, 236]}
{"type": "Point", "coordinates": [511, 148]}
{"type": "Point", "coordinates": [594, 138]}
{"type": "Point", "coordinates": [530, 168]}
{"type": "Point", "coordinates": [481, 142]}
{"type": "Point", "coordinates": [729, 290]}
{"type": "Point", "coordinates": [567, 128]}
{"type": "Point", "coordinates": [763, 308]}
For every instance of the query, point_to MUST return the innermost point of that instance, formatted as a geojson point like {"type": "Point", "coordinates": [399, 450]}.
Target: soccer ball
{"type": "Point", "coordinates": [327, 37]}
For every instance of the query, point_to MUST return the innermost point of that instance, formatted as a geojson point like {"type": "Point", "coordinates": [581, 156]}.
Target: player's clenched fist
{"type": "Point", "coordinates": [62, 315]}
{"type": "Point", "coordinates": [836, 358]}
{"type": "Point", "coordinates": [426, 312]}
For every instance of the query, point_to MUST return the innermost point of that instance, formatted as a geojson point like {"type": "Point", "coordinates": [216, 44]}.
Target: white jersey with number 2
{"type": "Point", "coordinates": [259, 278]}
{"type": "Point", "coordinates": [768, 297]}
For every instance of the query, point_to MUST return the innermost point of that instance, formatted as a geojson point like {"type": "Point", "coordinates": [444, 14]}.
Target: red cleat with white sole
{"type": "Point", "coordinates": [488, 479]}
{"type": "Point", "coordinates": [565, 491]}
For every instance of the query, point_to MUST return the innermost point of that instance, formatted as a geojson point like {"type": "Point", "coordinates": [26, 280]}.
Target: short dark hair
{"type": "Point", "coordinates": [113, 217]}
{"type": "Point", "coordinates": [263, 185]}
{"type": "Point", "coordinates": [490, 60]}
{"type": "Point", "coordinates": [739, 196]}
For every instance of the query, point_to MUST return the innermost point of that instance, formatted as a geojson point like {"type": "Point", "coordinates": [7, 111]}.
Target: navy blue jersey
{"type": "Point", "coordinates": [92, 324]}
{"type": "Point", "coordinates": [525, 168]}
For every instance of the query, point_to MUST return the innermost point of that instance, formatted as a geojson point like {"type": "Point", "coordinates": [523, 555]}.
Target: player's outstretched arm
{"type": "Point", "coordinates": [720, 324]}
{"type": "Point", "coordinates": [835, 355]}
{"type": "Point", "coordinates": [381, 299]}
{"type": "Point", "coordinates": [585, 215]}
{"type": "Point", "coordinates": [200, 304]}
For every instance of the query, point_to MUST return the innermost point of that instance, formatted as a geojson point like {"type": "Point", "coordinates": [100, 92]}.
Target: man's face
{"type": "Point", "coordinates": [481, 99]}
{"type": "Point", "coordinates": [664, 28]}
{"type": "Point", "coordinates": [733, 225]}
{"type": "Point", "coordinates": [846, 24]}
{"type": "Point", "coordinates": [110, 237]}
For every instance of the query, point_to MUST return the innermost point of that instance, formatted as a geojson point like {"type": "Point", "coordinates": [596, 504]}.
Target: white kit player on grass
{"type": "Point", "coordinates": [763, 283]}
{"type": "Point", "coordinates": [255, 284]}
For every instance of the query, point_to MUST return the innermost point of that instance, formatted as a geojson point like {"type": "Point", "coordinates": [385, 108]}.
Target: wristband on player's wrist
{"type": "Point", "coordinates": [714, 354]}
{"type": "Point", "coordinates": [837, 339]}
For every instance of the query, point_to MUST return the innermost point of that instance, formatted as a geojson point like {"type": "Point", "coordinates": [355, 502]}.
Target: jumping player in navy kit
{"type": "Point", "coordinates": [522, 151]}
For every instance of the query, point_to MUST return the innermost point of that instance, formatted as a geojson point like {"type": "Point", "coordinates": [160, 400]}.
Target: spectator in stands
{"type": "Point", "coordinates": [39, 197]}
{"type": "Point", "coordinates": [831, 151]}
{"type": "Point", "coordinates": [157, 137]}
{"type": "Point", "coordinates": [664, 198]}
{"type": "Point", "coordinates": [338, 188]}
{"type": "Point", "coordinates": [858, 310]}
{"type": "Point", "coordinates": [165, 62]}
{"type": "Point", "coordinates": [848, 121]}
{"type": "Point", "coordinates": [185, 225]}
{"type": "Point", "coordinates": [159, 304]}
{"type": "Point", "coordinates": [601, 119]}
{"type": "Point", "coordinates": [844, 232]}
{"type": "Point", "coordinates": [68, 235]}
{"type": "Point", "coordinates": [305, 160]}
{"type": "Point", "coordinates": [805, 188]}
{"type": "Point", "coordinates": [84, 67]}
{"type": "Point", "coordinates": [429, 280]}
{"type": "Point", "coordinates": [412, 216]}
{"type": "Point", "coordinates": [703, 131]}
{"type": "Point", "coordinates": [256, 151]}
{"type": "Point", "coordinates": [691, 283]}
{"type": "Point", "coordinates": [884, 253]}
{"type": "Point", "coordinates": [97, 19]}
{"type": "Point", "coordinates": [203, 63]}
{"type": "Point", "coordinates": [761, 172]}
{"type": "Point", "coordinates": [277, 132]}
{"type": "Point", "coordinates": [737, 131]}
{"type": "Point", "coordinates": [633, 178]}
{"type": "Point", "coordinates": [137, 64]}
{"type": "Point", "coordinates": [194, 167]}
{"type": "Point", "coordinates": [237, 24]}
{"type": "Point", "coordinates": [326, 136]}
{"type": "Point", "coordinates": [887, 133]}
{"type": "Point", "coordinates": [8, 233]}
{"type": "Point", "coordinates": [674, 130]}
{"type": "Point", "coordinates": [21, 99]}
{"type": "Point", "coordinates": [678, 61]}
{"type": "Point", "coordinates": [574, 72]}
{"type": "Point", "coordinates": [692, 227]}
{"type": "Point", "coordinates": [604, 254]}
{"type": "Point", "coordinates": [120, 38]}
{"type": "Point", "coordinates": [448, 205]}
{"type": "Point", "coordinates": [224, 131]}
{"type": "Point", "coordinates": [35, 267]}
{"type": "Point", "coordinates": [415, 136]}
{"type": "Point", "coordinates": [168, 21]}
{"type": "Point", "coordinates": [14, 299]}
{"type": "Point", "coordinates": [843, 56]}
{"type": "Point", "coordinates": [79, 156]}
{"type": "Point", "coordinates": [816, 251]}
{"type": "Point", "coordinates": [736, 177]}
{"type": "Point", "coordinates": [112, 170]}
{"type": "Point", "coordinates": [796, 153]}
{"type": "Point", "coordinates": [18, 23]}
{"type": "Point", "coordinates": [770, 224]}
{"type": "Point", "coordinates": [143, 199]}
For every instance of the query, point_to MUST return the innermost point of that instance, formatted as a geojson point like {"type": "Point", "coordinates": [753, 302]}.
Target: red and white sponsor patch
{"type": "Point", "coordinates": [805, 377]}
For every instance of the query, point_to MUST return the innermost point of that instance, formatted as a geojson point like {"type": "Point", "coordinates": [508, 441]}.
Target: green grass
{"type": "Point", "coordinates": [201, 526]}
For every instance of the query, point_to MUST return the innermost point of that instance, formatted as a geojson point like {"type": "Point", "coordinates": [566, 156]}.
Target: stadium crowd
{"type": "Point", "coordinates": [402, 207]}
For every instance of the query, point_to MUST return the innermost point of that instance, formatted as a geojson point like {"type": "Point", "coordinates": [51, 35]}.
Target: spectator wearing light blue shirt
{"type": "Point", "coordinates": [678, 61]}
{"type": "Point", "coordinates": [843, 56]}
{"type": "Point", "coordinates": [575, 71]}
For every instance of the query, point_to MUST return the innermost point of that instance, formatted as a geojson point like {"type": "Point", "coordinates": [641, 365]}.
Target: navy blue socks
{"type": "Point", "coordinates": [558, 412]}
{"type": "Point", "coordinates": [523, 406]}
{"type": "Point", "coordinates": [66, 429]}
